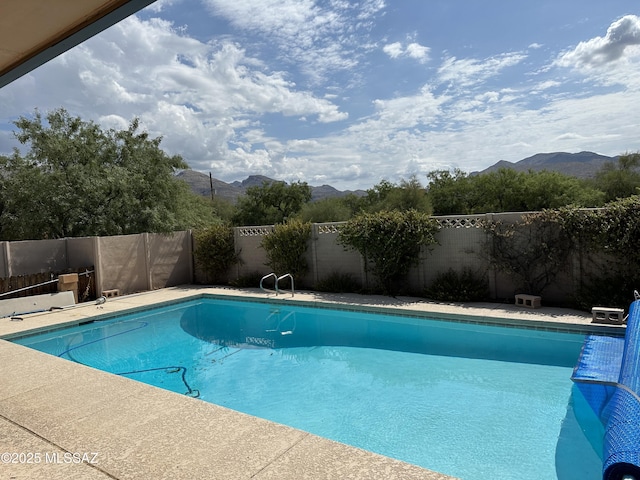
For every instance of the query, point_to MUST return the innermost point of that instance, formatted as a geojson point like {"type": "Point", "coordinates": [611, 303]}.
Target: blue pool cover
{"type": "Point", "coordinates": [608, 375]}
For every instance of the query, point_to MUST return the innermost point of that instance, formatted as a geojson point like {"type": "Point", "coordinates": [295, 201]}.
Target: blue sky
{"type": "Point", "coordinates": [349, 93]}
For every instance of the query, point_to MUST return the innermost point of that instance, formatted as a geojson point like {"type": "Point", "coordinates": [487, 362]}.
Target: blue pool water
{"type": "Point", "coordinates": [473, 401]}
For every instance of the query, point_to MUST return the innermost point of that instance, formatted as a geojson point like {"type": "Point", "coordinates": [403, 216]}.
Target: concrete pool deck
{"type": "Point", "coordinates": [62, 420]}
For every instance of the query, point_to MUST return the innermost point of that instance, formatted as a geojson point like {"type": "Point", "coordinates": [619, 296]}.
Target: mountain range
{"type": "Point", "coordinates": [202, 184]}
{"type": "Point", "coordinates": [581, 165]}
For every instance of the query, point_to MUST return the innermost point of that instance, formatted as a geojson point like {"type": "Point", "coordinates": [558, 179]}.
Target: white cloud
{"type": "Point", "coordinates": [318, 36]}
{"type": "Point", "coordinates": [418, 52]}
{"type": "Point", "coordinates": [469, 71]}
{"type": "Point", "coordinates": [407, 111]}
{"type": "Point", "coordinates": [198, 96]}
{"type": "Point", "coordinates": [547, 84]}
{"type": "Point", "coordinates": [622, 35]}
{"type": "Point", "coordinates": [394, 50]}
{"type": "Point", "coordinates": [159, 5]}
{"type": "Point", "coordinates": [115, 122]}
{"type": "Point", "coordinates": [413, 50]}
{"type": "Point", "coordinates": [303, 145]}
{"type": "Point", "coordinates": [488, 134]}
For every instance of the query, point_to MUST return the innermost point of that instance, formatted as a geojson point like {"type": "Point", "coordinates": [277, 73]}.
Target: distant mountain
{"type": "Point", "coordinates": [581, 165]}
{"type": "Point", "coordinates": [327, 191]}
{"type": "Point", "coordinates": [252, 181]}
{"type": "Point", "coordinates": [200, 184]}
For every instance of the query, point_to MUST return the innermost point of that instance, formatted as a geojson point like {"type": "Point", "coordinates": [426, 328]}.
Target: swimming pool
{"type": "Point", "coordinates": [473, 401]}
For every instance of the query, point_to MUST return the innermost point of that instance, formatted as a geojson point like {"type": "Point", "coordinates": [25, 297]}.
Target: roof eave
{"type": "Point", "coordinates": [71, 38]}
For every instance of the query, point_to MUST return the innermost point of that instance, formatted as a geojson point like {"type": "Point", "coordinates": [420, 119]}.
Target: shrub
{"type": "Point", "coordinates": [215, 251]}
{"type": "Point", "coordinates": [533, 251]}
{"type": "Point", "coordinates": [286, 246]}
{"type": "Point", "coordinates": [464, 286]}
{"type": "Point", "coordinates": [611, 270]}
{"type": "Point", "coordinates": [338, 282]}
{"type": "Point", "coordinates": [604, 241]}
{"type": "Point", "coordinates": [619, 230]}
{"type": "Point", "coordinates": [392, 240]}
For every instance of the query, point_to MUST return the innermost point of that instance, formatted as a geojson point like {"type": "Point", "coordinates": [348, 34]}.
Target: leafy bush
{"type": "Point", "coordinates": [464, 286]}
{"type": "Point", "coordinates": [611, 270]}
{"type": "Point", "coordinates": [533, 250]}
{"type": "Point", "coordinates": [338, 282]}
{"type": "Point", "coordinates": [215, 251]}
{"type": "Point", "coordinates": [603, 241]}
{"type": "Point", "coordinates": [286, 246]}
{"type": "Point", "coordinates": [392, 240]}
{"type": "Point", "coordinates": [618, 230]}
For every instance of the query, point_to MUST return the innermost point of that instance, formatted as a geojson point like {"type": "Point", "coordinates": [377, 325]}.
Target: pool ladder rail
{"type": "Point", "coordinates": [277, 290]}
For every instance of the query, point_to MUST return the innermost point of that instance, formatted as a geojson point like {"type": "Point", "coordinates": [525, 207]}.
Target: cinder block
{"type": "Point", "coordinates": [607, 315]}
{"type": "Point", "coordinates": [111, 293]}
{"type": "Point", "coordinates": [530, 301]}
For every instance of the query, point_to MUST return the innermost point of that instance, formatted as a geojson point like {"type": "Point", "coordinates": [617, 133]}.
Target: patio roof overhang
{"type": "Point", "coordinates": [32, 32]}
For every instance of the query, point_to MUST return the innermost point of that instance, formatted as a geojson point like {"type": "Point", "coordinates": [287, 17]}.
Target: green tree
{"type": "Point", "coordinates": [500, 191]}
{"type": "Point", "coordinates": [271, 203]}
{"type": "Point", "coordinates": [223, 209]}
{"type": "Point", "coordinates": [620, 179]}
{"type": "Point", "coordinates": [452, 193]}
{"type": "Point", "coordinates": [410, 194]}
{"type": "Point", "coordinates": [392, 240]}
{"type": "Point", "coordinates": [507, 190]}
{"type": "Point", "coordinates": [333, 209]}
{"type": "Point", "coordinates": [194, 211]}
{"type": "Point", "coordinates": [386, 196]}
{"type": "Point", "coordinates": [546, 189]}
{"type": "Point", "coordinates": [377, 195]}
{"type": "Point", "coordinates": [78, 180]}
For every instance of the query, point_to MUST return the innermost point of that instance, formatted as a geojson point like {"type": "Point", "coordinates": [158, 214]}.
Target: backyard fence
{"type": "Point", "coordinates": [25, 285]}
{"type": "Point", "coordinates": [123, 264]}
{"type": "Point", "coordinates": [133, 263]}
{"type": "Point", "coordinates": [462, 243]}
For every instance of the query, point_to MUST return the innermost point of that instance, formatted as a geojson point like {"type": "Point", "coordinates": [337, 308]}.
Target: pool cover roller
{"type": "Point", "coordinates": [608, 375]}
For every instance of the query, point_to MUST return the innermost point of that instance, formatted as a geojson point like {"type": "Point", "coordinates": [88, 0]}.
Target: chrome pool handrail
{"type": "Point", "coordinates": [276, 280]}
{"type": "Point", "coordinates": [285, 276]}
{"type": "Point", "coordinates": [268, 290]}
